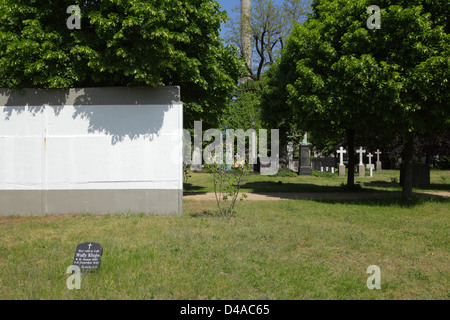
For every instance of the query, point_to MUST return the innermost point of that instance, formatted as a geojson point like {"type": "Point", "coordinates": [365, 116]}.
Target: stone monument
{"type": "Point", "coordinates": [196, 164]}
{"type": "Point", "coordinates": [362, 168]}
{"type": "Point", "coordinates": [370, 165]}
{"type": "Point", "coordinates": [378, 163]}
{"type": "Point", "coordinates": [341, 152]}
{"type": "Point", "coordinates": [292, 163]}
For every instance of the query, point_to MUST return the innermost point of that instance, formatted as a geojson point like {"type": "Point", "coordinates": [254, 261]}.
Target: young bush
{"type": "Point", "coordinates": [227, 185]}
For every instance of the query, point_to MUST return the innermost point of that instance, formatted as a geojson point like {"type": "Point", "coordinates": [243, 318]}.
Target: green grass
{"type": "Point", "coordinates": [387, 180]}
{"type": "Point", "coordinates": [271, 250]}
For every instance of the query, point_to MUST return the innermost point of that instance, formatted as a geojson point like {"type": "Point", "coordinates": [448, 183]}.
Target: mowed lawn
{"type": "Point", "coordinates": [271, 250]}
{"type": "Point", "coordinates": [387, 180]}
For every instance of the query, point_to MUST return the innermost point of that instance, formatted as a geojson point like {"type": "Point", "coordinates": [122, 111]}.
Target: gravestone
{"type": "Point", "coordinates": [292, 163]}
{"type": "Point", "coordinates": [362, 169]}
{"type": "Point", "coordinates": [370, 165]}
{"type": "Point", "coordinates": [268, 167]}
{"type": "Point", "coordinates": [341, 152]}
{"type": "Point", "coordinates": [305, 162]}
{"type": "Point", "coordinates": [329, 162]}
{"type": "Point", "coordinates": [196, 164]}
{"type": "Point", "coordinates": [378, 163]}
{"type": "Point", "coordinates": [88, 256]}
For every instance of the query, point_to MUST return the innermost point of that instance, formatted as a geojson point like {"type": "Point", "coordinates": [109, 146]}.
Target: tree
{"type": "Point", "coordinates": [338, 77]}
{"type": "Point", "coordinates": [121, 43]}
{"type": "Point", "coordinates": [242, 112]}
{"type": "Point", "coordinates": [270, 24]}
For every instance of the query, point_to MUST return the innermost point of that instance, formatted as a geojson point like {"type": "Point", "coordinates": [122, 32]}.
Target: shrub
{"type": "Point", "coordinates": [227, 185]}
{"type": "Point", "coordinates": [285, 172]}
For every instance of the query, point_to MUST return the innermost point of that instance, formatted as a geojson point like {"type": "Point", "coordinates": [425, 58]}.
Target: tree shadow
{"type": "Point", "coordinates": [394, 200]}
{"type": "Point", "coordinates": [386, 184]}
{"type": "Point", "coordinates": [190, 189]}
{"type": "Point", "coordinates": [382, 184]}
{"type": "Point", "coordinates": [437, 187]}
{"type": "Point", "coordinates": [272, 186]}
{"type": "Point", "coordinates": [33, 101]}
{"type": "Point", "coordinates": [117, 113]}
{"type": "Point", "coordinates": [337, 194]}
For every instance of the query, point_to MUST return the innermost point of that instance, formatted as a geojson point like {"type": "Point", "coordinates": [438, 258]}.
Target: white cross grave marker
{"type": "Point", "coordinates": [361, 151]}
{"type": "Point", "coordinates": [370, 156]}
{"type": "Point", "coordinates": [341, 152]}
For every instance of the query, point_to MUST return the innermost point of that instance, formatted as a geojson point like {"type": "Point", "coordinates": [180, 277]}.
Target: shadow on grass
{"type": "Point", "coordinates": [437, 187]}
{"type": "Point", "coordinates": [394, 184]}
{"type": "Point", "coordinates": [272, 186]}
{"type": "Point", "coordinates": [189, 188]}
{"type": "Point", "coordinates": [204, 214]}
{"type": "Point", "coordinates": [264, 187]}
{"type": "Point", "coordinates": [382, 184]}
{"type": "Point", "coordinates": [418, 199]}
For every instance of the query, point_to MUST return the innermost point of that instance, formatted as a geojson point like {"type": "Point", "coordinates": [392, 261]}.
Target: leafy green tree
{"type": "Point", "coordinates": [243, 112]}
{"type": "Point", "coordinates": [121, 43]}
{"type": "Point", "coordinates": [340, 78]}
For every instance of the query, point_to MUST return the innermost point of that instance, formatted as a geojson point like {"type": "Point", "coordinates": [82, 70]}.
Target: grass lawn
{"type": "Point", "coordinates": [387, 180]}
{"type": "Point", "coordinates": [271, 250]}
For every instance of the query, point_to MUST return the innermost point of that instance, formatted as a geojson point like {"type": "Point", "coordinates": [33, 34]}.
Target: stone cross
{"type": "Point", "coordinates": [361, 151]}
{"type": "Point", "coordinates": [378, 155]}
{"type": "Point", "coordinates": [378, 160]}
{"type": "Point", "coordinates": [370, 158]}
{"type": "Point", "coordinates": [341, 151]}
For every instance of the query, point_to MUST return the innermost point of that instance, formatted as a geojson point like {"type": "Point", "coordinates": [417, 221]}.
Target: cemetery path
{"type": "Point", "coordinates": [275, 196]}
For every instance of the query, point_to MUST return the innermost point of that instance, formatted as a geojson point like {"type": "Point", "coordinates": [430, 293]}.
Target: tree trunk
{"type": "Point", "coordinates": [246, 36]}
{"type": "Point", "coordinates": [351, 157]}
{"type": "Point", "coordinates": [407, 169]}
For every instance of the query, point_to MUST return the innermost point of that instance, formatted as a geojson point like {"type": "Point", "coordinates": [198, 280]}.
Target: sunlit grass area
{"type": "Point", "coordinates": [270, 250]}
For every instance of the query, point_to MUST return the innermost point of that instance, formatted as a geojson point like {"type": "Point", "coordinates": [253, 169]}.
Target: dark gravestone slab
{"type": "Point", "coordinates": [305, 161]}
{"type": "Point", "coordinates": [329, 162]}
{"type": "Point", "coordinates": [88, 256]}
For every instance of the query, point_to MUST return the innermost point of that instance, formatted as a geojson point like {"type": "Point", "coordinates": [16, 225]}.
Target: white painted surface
{"type": "Point", "coordinates": [91, 147]}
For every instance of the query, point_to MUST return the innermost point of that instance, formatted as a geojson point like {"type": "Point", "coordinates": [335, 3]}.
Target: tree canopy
{"type": "Point", "coordinates": [121, 43]}
{"type": "Point", "coordinates": [337, 77]}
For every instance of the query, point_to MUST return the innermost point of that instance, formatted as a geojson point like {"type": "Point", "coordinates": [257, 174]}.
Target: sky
{"type": "Point", "coordinates": [229, 5]}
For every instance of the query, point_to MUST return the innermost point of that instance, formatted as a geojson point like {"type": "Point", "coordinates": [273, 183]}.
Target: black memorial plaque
{"type": "Point", "coordinates": [88, 256]}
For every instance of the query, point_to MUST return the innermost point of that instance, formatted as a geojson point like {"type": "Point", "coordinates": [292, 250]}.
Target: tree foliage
{"type": "Point", "coordinates": [121, 43]}
{"type": "Point", "coordinates": [340, 78]}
